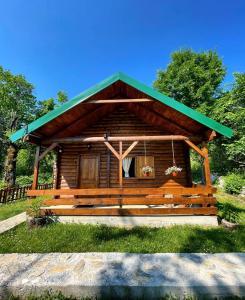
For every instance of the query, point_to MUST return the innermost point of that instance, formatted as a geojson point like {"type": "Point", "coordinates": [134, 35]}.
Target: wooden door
{"type": "Point", "coordinates": [88, 176]}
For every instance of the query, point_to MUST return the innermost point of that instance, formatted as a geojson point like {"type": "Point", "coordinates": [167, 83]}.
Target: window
{"type": "Point", "coordinates": [133, 167]}
{"type": "Point", "coordinates": [142, 161]}
{"type": "Point", "coordinates": [130, 166]}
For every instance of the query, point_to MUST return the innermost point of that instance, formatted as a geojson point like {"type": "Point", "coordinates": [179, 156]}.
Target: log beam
{"type": "Point", "coordinates": [109, 101]}
{"type": "Point", "coordinates": [81, 139]}
{"type": "Point", "coordinates": [194, 147]}
{"type": "Point", "coordinates": [45, 152]}
{"type": "Point", "coordinates": [206, 165]}
{"type": "Point", "coordinates": [120, 165]}
{"type": "Point", "coordinates": [36, 169]}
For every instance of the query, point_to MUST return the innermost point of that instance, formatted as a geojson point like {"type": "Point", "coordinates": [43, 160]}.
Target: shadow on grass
{"type": "Point", "coordinates": [107, 233]}
{"type": "Point", "coordinates": [229, 211]}
{"type": "Point", "coordinates": [212, 241]}
{"type": "Point", "coordinates": [189, 238]}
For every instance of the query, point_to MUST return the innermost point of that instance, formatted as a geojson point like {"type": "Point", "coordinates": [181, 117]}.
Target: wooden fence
{"type": "Point", "coordinates": [17, 193]}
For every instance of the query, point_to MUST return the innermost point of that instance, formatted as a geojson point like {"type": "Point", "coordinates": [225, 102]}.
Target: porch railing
{"type": "Point", "coordinates": [144, 201]}
{"type": "Point", "coordinates": [16, 193]}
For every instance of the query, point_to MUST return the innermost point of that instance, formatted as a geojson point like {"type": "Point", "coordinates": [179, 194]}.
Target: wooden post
{"type": "Point", "coordinates": [36, 169]}
{"type": "Point", "coordinates": [207, 173]}
{"type": "Point", "coordinates": [120, 165]}
{"type": "Point", "coordinates": [120, 169]}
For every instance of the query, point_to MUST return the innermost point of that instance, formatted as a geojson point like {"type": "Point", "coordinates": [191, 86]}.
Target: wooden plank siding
{"type": "Point", "coordinates": [121, 122]}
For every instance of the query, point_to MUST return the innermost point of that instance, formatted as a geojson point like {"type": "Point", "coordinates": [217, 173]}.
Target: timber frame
{"type": "Point", "coordinates": [114, 120]}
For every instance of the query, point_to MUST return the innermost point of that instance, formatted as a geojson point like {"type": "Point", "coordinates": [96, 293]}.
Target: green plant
{"type": "Point", "coordinates": [234, 183]}
{"type": "Point", "coordinates": [229, 212]}
{"type": "Point", "coordinates": [34, 210]}
{"type": "Point", "coordinates": [23, 180]}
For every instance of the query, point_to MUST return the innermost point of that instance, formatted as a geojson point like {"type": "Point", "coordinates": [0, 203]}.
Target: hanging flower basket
{"type": "Point", "coordinates": [147, 171]}
{"type": "Point", "coordinates": [174, 170]}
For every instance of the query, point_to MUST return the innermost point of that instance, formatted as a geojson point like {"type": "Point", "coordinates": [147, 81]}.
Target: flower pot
{"type": "Point", "coordinates": [174, 174]}
{"type": "Point", "coordinates": [146, 174]}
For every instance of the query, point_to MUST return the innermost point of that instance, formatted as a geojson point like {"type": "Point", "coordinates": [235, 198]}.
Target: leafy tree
{"type": "Point", "coordinates": [48, 105]}
{"type": "Point", "coordinates": [230, 111]}
{"type": "Point", "coordinates": [192, 78]}
{"type": "Point", "coordinates": [44, 107]}
{"type": "Point", "coordinates": [62, 97]}
{"type": "Point", "coordinates": [17, 107]}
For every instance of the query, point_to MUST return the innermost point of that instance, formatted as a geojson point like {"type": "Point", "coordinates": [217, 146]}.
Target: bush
{"type": "Point", "coordinates": [23, 180]}
{"type": "Point", "coordinates": [196, 171]}
{"type": "Point", "coordinates": [234, 183]}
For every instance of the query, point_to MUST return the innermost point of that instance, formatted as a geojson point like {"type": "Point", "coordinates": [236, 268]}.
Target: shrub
{"type": "Point", "coordinates": [234, 183]}
{"type": "Point", "coordinates": [23, 180]}
{"type": "Point", "coordinates": [196, 170]}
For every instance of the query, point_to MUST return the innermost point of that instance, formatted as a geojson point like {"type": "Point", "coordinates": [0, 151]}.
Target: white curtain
{"type": "Point", "coordinates": [126, 165]}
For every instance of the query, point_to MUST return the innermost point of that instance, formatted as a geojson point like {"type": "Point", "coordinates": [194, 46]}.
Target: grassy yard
{"type": "Point", "coordinates": [12, 209]}
{"type": "Point", "coordinates": [233, 206]}
{"type": "Point", "coordinates": [88, 238]}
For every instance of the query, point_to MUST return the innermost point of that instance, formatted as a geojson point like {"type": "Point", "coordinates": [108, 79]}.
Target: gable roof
{"type": "Point", "coordinates": [191, 113]}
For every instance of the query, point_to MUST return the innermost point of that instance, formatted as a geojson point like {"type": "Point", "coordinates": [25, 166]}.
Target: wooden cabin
{"type": "Point", "coordinates": [106, 136]}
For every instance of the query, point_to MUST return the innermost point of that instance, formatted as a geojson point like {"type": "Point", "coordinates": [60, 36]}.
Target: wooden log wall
{"type": "Point", "coordinates": [122, 123]}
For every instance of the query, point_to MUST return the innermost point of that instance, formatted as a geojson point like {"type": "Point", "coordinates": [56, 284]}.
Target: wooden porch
{"type": "Point", "coordinates": [125, 201]}
{"type": "Point", "coordinates": [129, 201]}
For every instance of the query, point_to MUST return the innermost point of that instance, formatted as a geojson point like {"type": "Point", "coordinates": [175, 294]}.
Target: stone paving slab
{"type": "Point", "coordinates": [123, 275]}
{"type": "Point", "coordinates": [12, 222]}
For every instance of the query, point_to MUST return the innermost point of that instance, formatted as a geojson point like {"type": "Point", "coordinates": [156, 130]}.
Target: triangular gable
{"type": "Point", "coordinates": [180, 107]}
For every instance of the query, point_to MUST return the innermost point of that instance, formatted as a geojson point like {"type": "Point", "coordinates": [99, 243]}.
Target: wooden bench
{"type": "Point", "coordinates": [186, 198]}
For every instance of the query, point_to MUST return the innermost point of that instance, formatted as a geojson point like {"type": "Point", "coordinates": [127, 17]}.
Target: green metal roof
{"type": "Point", "coordinates": [191, 113]}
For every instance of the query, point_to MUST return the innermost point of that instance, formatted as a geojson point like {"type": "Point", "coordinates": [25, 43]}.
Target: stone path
{"type": "Point", "coordinates": [12, 222]}
{"type": "Point", "coordinates": [123, 275]}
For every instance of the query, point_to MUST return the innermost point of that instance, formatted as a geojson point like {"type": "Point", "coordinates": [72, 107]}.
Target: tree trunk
{"type": "Point", "coordinates": [10, 165]}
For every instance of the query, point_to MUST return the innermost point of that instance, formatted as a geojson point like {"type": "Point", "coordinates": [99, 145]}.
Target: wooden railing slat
{"type": "Point", "coordinates": [130, 201]}
{"type": "Point", "coordinates": [125, 191]}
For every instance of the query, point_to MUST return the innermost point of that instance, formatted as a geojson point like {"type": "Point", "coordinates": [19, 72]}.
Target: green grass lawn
{"type": "Point", "coordinates": [88, 238]}
{"type": "Point", "coordinates": [233, 206]}
{"type": "Point", "coordinates": [12, 209]}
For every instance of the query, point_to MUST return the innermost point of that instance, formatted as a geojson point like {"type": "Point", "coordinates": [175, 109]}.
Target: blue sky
{"type": "Point", "coordinates": [73, 44]}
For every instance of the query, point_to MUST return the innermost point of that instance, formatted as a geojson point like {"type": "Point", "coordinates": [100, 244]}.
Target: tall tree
{"type": "Point", "coordinates": [192, 78]}
{"type": "Point", "coordinates": [230, 111]}
{"type": "Point", "coordinates": [17, 107]}
{"type": "Point", "coordinates": [62, 97]}
{"type": "Point", "coordinates": [48, 105]}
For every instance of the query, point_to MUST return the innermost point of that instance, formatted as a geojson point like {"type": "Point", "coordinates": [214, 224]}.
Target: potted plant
{"type": "Point", "coordinates": [147, 170]}
{"type": "Point", "coordinates": [34, 213]}
{"type": "Point", "coordinates": [174, 170]}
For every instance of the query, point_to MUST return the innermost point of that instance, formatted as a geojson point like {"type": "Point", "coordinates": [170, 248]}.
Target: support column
{"type": "Point", "coordinates": [206, 165]}
{"type": "Point", "coordinates": [36, 169]}
{"type": "Point", "coordinates": [120, 165]}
